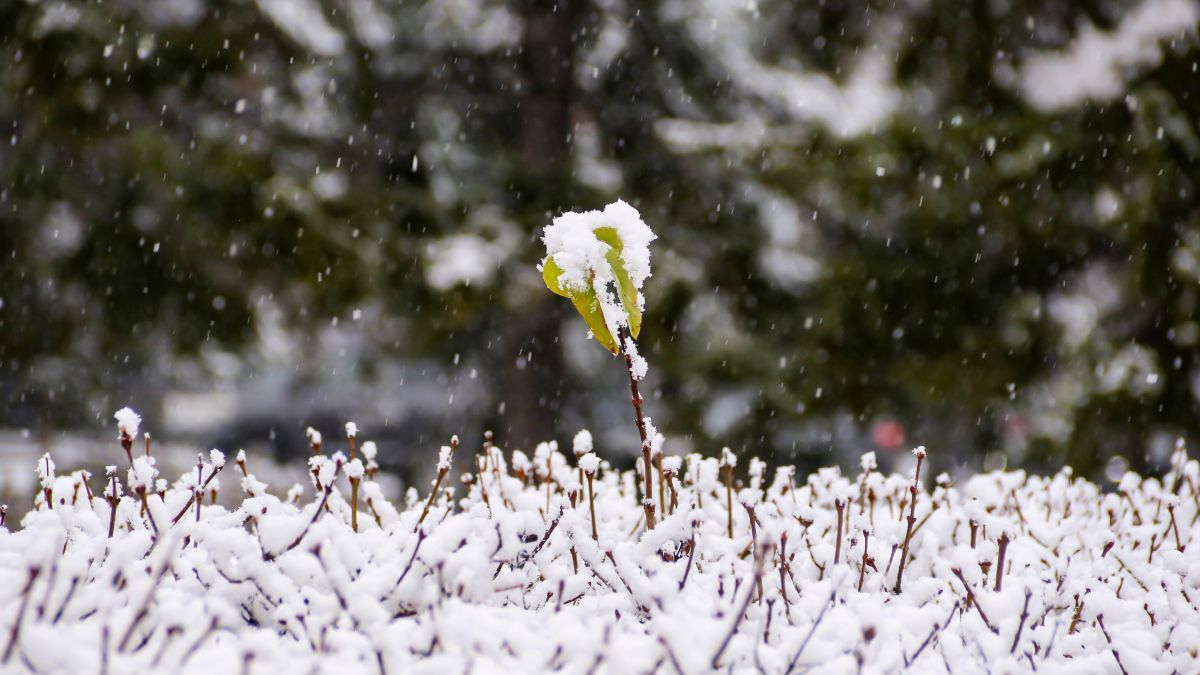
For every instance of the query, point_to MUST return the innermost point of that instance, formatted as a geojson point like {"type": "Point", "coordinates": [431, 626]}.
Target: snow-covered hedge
{"type": "Point", "coordinates": [518, 570]}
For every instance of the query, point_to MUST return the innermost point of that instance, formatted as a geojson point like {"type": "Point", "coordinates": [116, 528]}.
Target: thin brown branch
{"type": "Point", "coordinates": [1108, 638]}
{"type": "Point", "coordinates": [1000, 560]}
{"type": "Point", "coordinates": [759, 555]}
{"type": "Point", "coordinates": [182, 512]}
{"type": "Point", "coordinates": [691, 556]}
{"type": "Point", "coordinates": [636, 397]}
{"type": "Point", "coordinates": [837, 551]}
{"type": "Point", "coordinates": [929, 638]}
{"type": "Point", "coordinates": [811, 631]}
{"type": "Point", "coordinates": [1021, 625]}
{"type": "Point", "coordinates": [972, 600]}
{"type": "Point", "coordinates": [300, 537]}
{"type": "Point", "coordinates": [912, 520]}
{"type": "Point", "coordinates": [867, 560]}
{"type": "Point", "coordinates": [14, 633]}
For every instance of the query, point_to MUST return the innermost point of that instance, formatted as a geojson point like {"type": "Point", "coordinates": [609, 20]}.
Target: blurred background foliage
{"type": "Point", "coordinates": [973, 226]}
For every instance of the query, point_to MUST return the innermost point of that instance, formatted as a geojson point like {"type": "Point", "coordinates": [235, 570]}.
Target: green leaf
{"type": "Point", "coordinates": [609, 236]}
{"type": "Point", "coordinates": [588, 306]}
{"type": "Point", "coordinates": [550, 274]}
{"type": "Point", "coordinates": [586, 303]}
{"type": "Point", "coordinates": [626, 292]}
{"type": "Point", "coordinates": [625, 289]}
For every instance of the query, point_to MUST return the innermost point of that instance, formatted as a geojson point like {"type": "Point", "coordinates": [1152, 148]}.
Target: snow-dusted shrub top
{"type": "Point", "coordinates": [508, 577]}
{"type": "Point", "coordinates": [127, 422]}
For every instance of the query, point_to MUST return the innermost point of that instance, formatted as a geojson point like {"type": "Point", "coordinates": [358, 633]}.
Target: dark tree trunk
{"type": "Point", "coordinates": [532, 364]}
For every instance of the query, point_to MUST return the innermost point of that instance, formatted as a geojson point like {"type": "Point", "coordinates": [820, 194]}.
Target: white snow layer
{"type": "Point", "coordinates": [465, 259]}
{"type": "Point", "coordinates": [1098, 64]}
{"type": "Point", "coordinates": [509, 579]}
{"type": "Point", "coordinates": [856, 103]}
{"type": "Point", "coordinates": [304, 21]}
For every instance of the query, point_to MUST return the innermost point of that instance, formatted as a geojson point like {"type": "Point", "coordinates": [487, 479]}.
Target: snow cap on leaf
{"type": "Point", "coordinates": [586, 252]}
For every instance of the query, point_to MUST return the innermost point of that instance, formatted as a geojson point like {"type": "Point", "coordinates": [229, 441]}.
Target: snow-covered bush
{"type": "Point", "coordinates": [531, 570]}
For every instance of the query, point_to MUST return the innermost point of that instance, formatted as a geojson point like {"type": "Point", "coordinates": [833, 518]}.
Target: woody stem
{"type": "Point", "coordinates": [636, 398]}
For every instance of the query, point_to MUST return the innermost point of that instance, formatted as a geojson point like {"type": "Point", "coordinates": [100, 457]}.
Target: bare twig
{"type": "Point", "coordinates": [811, 631]}
{"type": "Point", "coordinates": [783, 569]}
{"type": "Point", "coordinates": [1000, 560]}
{"type": "Point", "coordinates": [662, 484]}
{"type": "Point", "coordinates": [972, 600]}
{"type": "Point", "coordinates": [932, 633]}
{"type": "Point", "coordinates": [759, 555]}
{"type": "Point", "coordinates": [573, 495]}
{"type": "Point", "coordinates": [1021, 625]}
{"type": "Point", "coordinates": [636, 398]}
{"type": "Point", "coordinates": [144, 608]}
{"type": "Point", "coordinates": [867, 560]}
{"type": "Point", "coordinates": [212, 628]}
{"type": "Point", "coordinates": [442, 471]}
{"type": "Point", "coordinates": [912, 518]}
{"type": "Point", "coordinates": [354, 497]}
{"type": "Point", "coordinates": [66, 600]}
{"type": "Point", "coordinates": [1076, 617]}
{"type": "Point", "coordinates": [671, 655]}
{"type": "Point", "coordinates": [837, 551]}
{"type": "Point", "coordinates": [691, 556]}
{"type": "Point", "coordinates": [141, 493]}
{"type": "Point", "coordinates": [591, 475]}
{"type": "Point", "coordinates": [546, 537]}
{"type": "Point", "coordinates": [411, 559]}
{"type": "Point", "coordinates": [754, 542]}
{"type": "Point", "coordinates": [182, 512]}
{"type": "Point", "coordinates": [113, 501]}
{"type": "Point", "coordinates": [14, 633]}
{"type": "Point", "coordinates": [1174, 527]}
{"type": "Point", "coordinates": [300, 537]}
{"type": "Point", "coordinates": [1108, 638]}
{"type": "Point", "coordinates": [670, 476]}
{"type": "Point", "coordinates": [727, 476]}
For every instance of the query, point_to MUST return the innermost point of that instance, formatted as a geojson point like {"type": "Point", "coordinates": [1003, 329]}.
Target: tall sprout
{"type": "Point", "coordinates": [599, 260]}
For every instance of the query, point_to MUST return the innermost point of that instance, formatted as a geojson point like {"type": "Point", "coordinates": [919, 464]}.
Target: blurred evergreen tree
{"type": "Point", "coordinates": [872, 217]}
